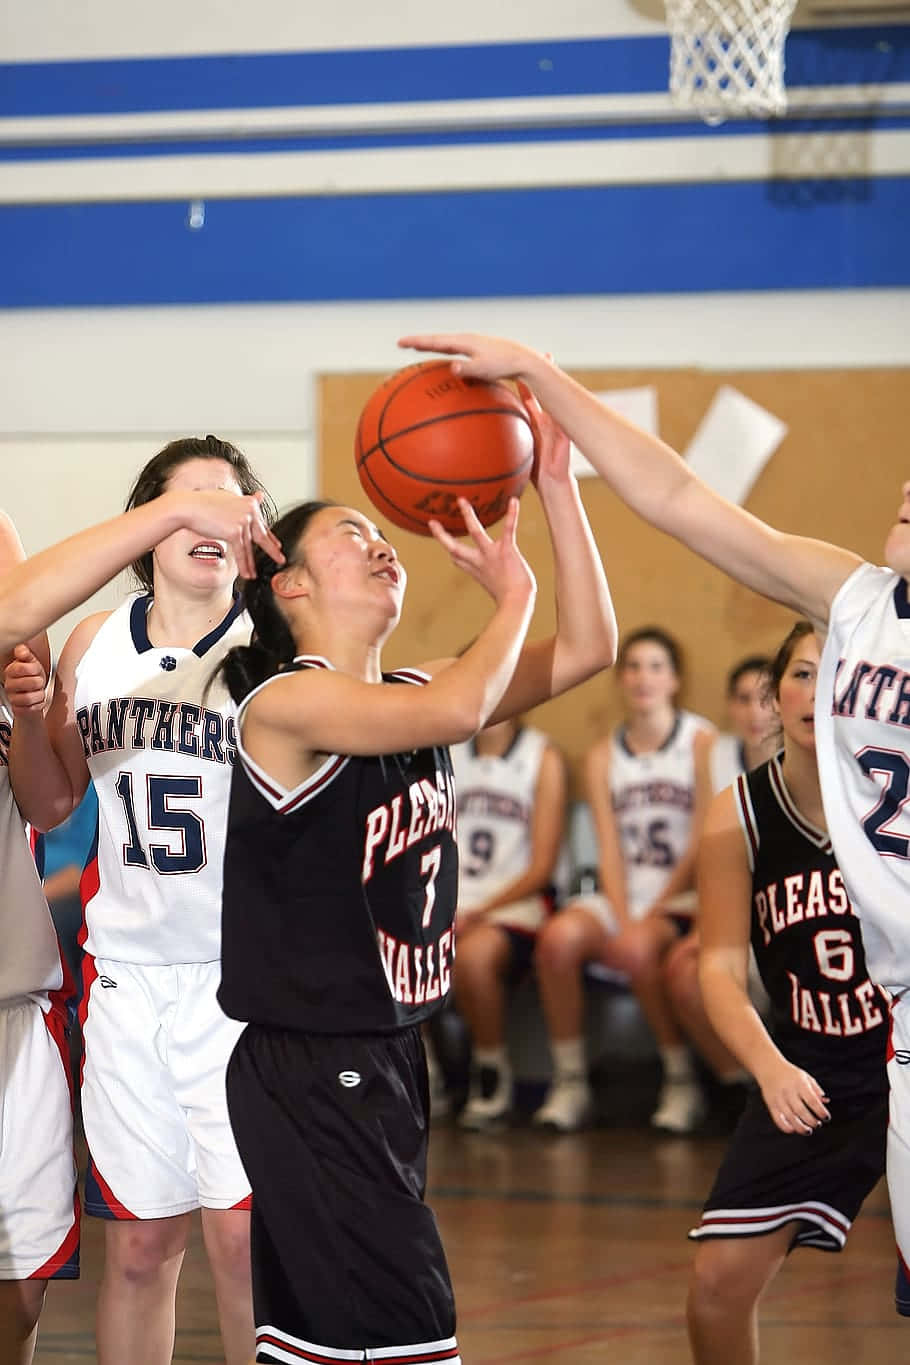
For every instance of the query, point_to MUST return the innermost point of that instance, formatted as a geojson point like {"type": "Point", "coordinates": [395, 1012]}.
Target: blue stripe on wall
{"type": "Point", "coordinates": [610, 240]}
{"type": "Point", "coordinates": [623, 65]}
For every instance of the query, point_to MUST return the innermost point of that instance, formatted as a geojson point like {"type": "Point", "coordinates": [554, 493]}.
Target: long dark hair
{"type": "Point", "coordinates": [654, 635]}
{"type": "Point", "coordinates": [272, 646]}
{"type": "Point", "coordinates": [781, 660]}
{"type": "Point", "coordinates": [153, 477]}
{"type": "Point", "coordinates": [754, 663]}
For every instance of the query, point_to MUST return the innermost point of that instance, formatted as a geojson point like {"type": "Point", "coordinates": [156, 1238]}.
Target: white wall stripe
{"type": "Point", "coordinates": [421, 116]}
{"type": "Point", "coordinates": [402, 170]}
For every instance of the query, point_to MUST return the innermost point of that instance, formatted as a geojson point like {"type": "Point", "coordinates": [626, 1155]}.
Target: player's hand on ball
{"type": "Point", "coordinates": [478, 357]}
{"type": "Point", "coordinates": [552, 450]}
{"type": "Point", "coordinates": [497, 565]}
{"type": "Point", "coordinates": [795, 1100]}
{"type": "Point", "coordinates": [26, 682]}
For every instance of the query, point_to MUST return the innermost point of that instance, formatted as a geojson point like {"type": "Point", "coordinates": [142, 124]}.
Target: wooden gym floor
{"type": "Point", "coordinates": [573, 1249]}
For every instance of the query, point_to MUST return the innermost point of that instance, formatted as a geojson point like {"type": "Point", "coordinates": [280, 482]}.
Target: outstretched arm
{"type": "Point", "coordinates": [11, 555]}
{"type": "Point", "coordinates": [656, 483]}
{"type": "Point", "coordinates": [586, 636]}
{"type": "Point", "coordinates": [38, 591]}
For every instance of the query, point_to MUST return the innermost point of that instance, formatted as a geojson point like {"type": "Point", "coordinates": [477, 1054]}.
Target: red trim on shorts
{"type": "Point", "coordinates": [111, 1202]}
{"type": "Point", "coordinates": [67, 1252]}
{"type": "Point", "coordinates": [89, 886]}
{"type": "Point", "coordinates": [89, 977]}
{"type": "Point", "coordinates": [93, 1175]}
{"type": "Point", "coordinates": [245, 1204]}
{"type": "Point", "coordinates": [782, 1213]}
{"type": "Point", "coordinates": [55, 1021]}
{"type": "Point", "coordinates": [316, 1357]}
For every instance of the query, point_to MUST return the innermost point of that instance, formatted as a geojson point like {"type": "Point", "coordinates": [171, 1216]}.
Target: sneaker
{"type": "Point", "coordinates": [568, 1106]}
{"type": "Point", "coordinates": [681, 1107]}
{"type": "Point", "coordinates": [489, 1100]}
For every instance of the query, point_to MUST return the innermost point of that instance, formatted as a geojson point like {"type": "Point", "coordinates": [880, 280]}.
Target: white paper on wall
{"type": "Point", "coordinates": [734, 441]}
{"type": "Point", "coordinates": [638, 405]}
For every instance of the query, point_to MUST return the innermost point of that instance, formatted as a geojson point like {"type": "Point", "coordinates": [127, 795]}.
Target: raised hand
{"type": "Point", "coordinates": [497, 565]}
{"type": "Point", "coordinates": [25, 682]}
{"type": "Point", "coordinates": [478, 357]}
{"type": "Point", "coordinates": [552, 450]}
{"type": "Point", "coordinates": [234, 518]}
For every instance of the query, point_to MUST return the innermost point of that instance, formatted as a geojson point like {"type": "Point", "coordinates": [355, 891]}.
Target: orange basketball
{"type": "Point", "coordinates": [428, 436]}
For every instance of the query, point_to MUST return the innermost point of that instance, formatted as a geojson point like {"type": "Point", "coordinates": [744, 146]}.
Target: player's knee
{"type": "Point", "coordinates": [717, 1287]}
{"type": "Point", "coordinates": [635, 956]}
{"type": "Point", "coordinates": [227, 1241]}
{"type": "Point", "coordinates": [680, 978]}
{"type": "Point", "coordinates": [559, 947]}
{"type": "Point", "coordinates": [21, 1302]}
{"type": "Point", "coordinates": [143, 1252]}
{"type": "Point", "coordinates": [474, 964]}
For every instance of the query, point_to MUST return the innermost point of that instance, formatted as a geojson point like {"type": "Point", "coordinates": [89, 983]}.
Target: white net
{"type": "Point", "coordinates": [727, 56]}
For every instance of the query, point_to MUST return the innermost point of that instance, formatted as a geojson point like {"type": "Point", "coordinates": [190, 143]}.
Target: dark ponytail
{"type": "Point", "coordinates": [272, 647]}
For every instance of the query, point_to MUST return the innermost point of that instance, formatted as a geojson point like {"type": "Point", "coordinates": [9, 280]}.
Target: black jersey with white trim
{"type": "Point", "coordinates": [826, 1015]}
{"type": "Point", "coordinates": [339, 895]}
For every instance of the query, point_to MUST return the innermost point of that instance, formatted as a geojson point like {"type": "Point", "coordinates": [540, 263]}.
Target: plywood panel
{"type": "Point", "coordinates": [836, 476]}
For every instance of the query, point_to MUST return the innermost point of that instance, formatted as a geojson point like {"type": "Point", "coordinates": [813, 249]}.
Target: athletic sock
{"type": "Point", "coordinates": [495, 1057]}
{"type": "Point", "coordinates": [569, 1059]}
{"type": "Point", "coordinates": [677, 1063]}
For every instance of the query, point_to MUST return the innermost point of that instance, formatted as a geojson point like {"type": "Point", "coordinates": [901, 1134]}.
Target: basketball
{"type": "Point", "coordinates": [427, 437]}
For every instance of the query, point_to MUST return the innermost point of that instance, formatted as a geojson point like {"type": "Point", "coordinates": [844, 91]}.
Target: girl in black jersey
{"type": "Point", "coordinates": [811, 1142]}
{"type": "Point", "coordinates": [339, 902]}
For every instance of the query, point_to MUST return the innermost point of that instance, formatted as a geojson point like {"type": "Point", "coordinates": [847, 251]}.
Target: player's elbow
{"type": "Point", "coordinates": [466, 719]}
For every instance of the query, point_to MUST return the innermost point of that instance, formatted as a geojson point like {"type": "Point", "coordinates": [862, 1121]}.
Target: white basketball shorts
{"type": "Point", "coordinates": [525, 916]}
{"type": "Point", "coordinates": [39, 1207]}
{"type": "Point", "coordinates": [156, 1046]}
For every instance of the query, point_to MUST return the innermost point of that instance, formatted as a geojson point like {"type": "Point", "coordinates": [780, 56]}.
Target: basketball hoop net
{"type": "Point", "coordinates": [727, 56]}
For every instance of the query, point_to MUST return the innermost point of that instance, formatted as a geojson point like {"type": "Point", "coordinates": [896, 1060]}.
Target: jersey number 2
{"type": "Point", "coordinates": [184, 823]}
{"type": "Point", "coordinates": [896, 770]}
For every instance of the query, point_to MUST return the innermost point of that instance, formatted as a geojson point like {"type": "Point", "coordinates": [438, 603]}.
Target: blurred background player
{"type": "Point", "coordinates": [752, 732]}
{"type": "Point", "coordinates": [811, 1143]}
{"type": "Point", "coordinates": [647, 785]}
{"type": "Point", "coordinates": [751, 737]}
{"type": "Point", "coordinates": [511, 786]}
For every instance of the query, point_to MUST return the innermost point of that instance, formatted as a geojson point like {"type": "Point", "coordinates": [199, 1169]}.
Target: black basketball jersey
{"type": "Point", "coordinates": [339, 896]}
{"type": "Point", "coordinates": [826, 1015]}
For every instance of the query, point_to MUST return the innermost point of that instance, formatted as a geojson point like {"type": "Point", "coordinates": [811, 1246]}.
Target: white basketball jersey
{"type": "Point", "coordinates": [495, 797]}
{"type": "Point", "coordinates": [862, 724]}
{"type": "Point", "coordinates": [30, 961]}
{"type": "Point", "coordinates": [727, 761]}
{"type": "Point", "coordinates": [653, 797]}
{"type": "Point", "coordinates": [160, 742]}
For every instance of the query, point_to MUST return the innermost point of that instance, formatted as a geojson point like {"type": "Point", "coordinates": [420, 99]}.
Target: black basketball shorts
{"type": "Point", "coordinates": [347, 1260]}
{"type": "Point", "coordinates": [818, 1182]}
